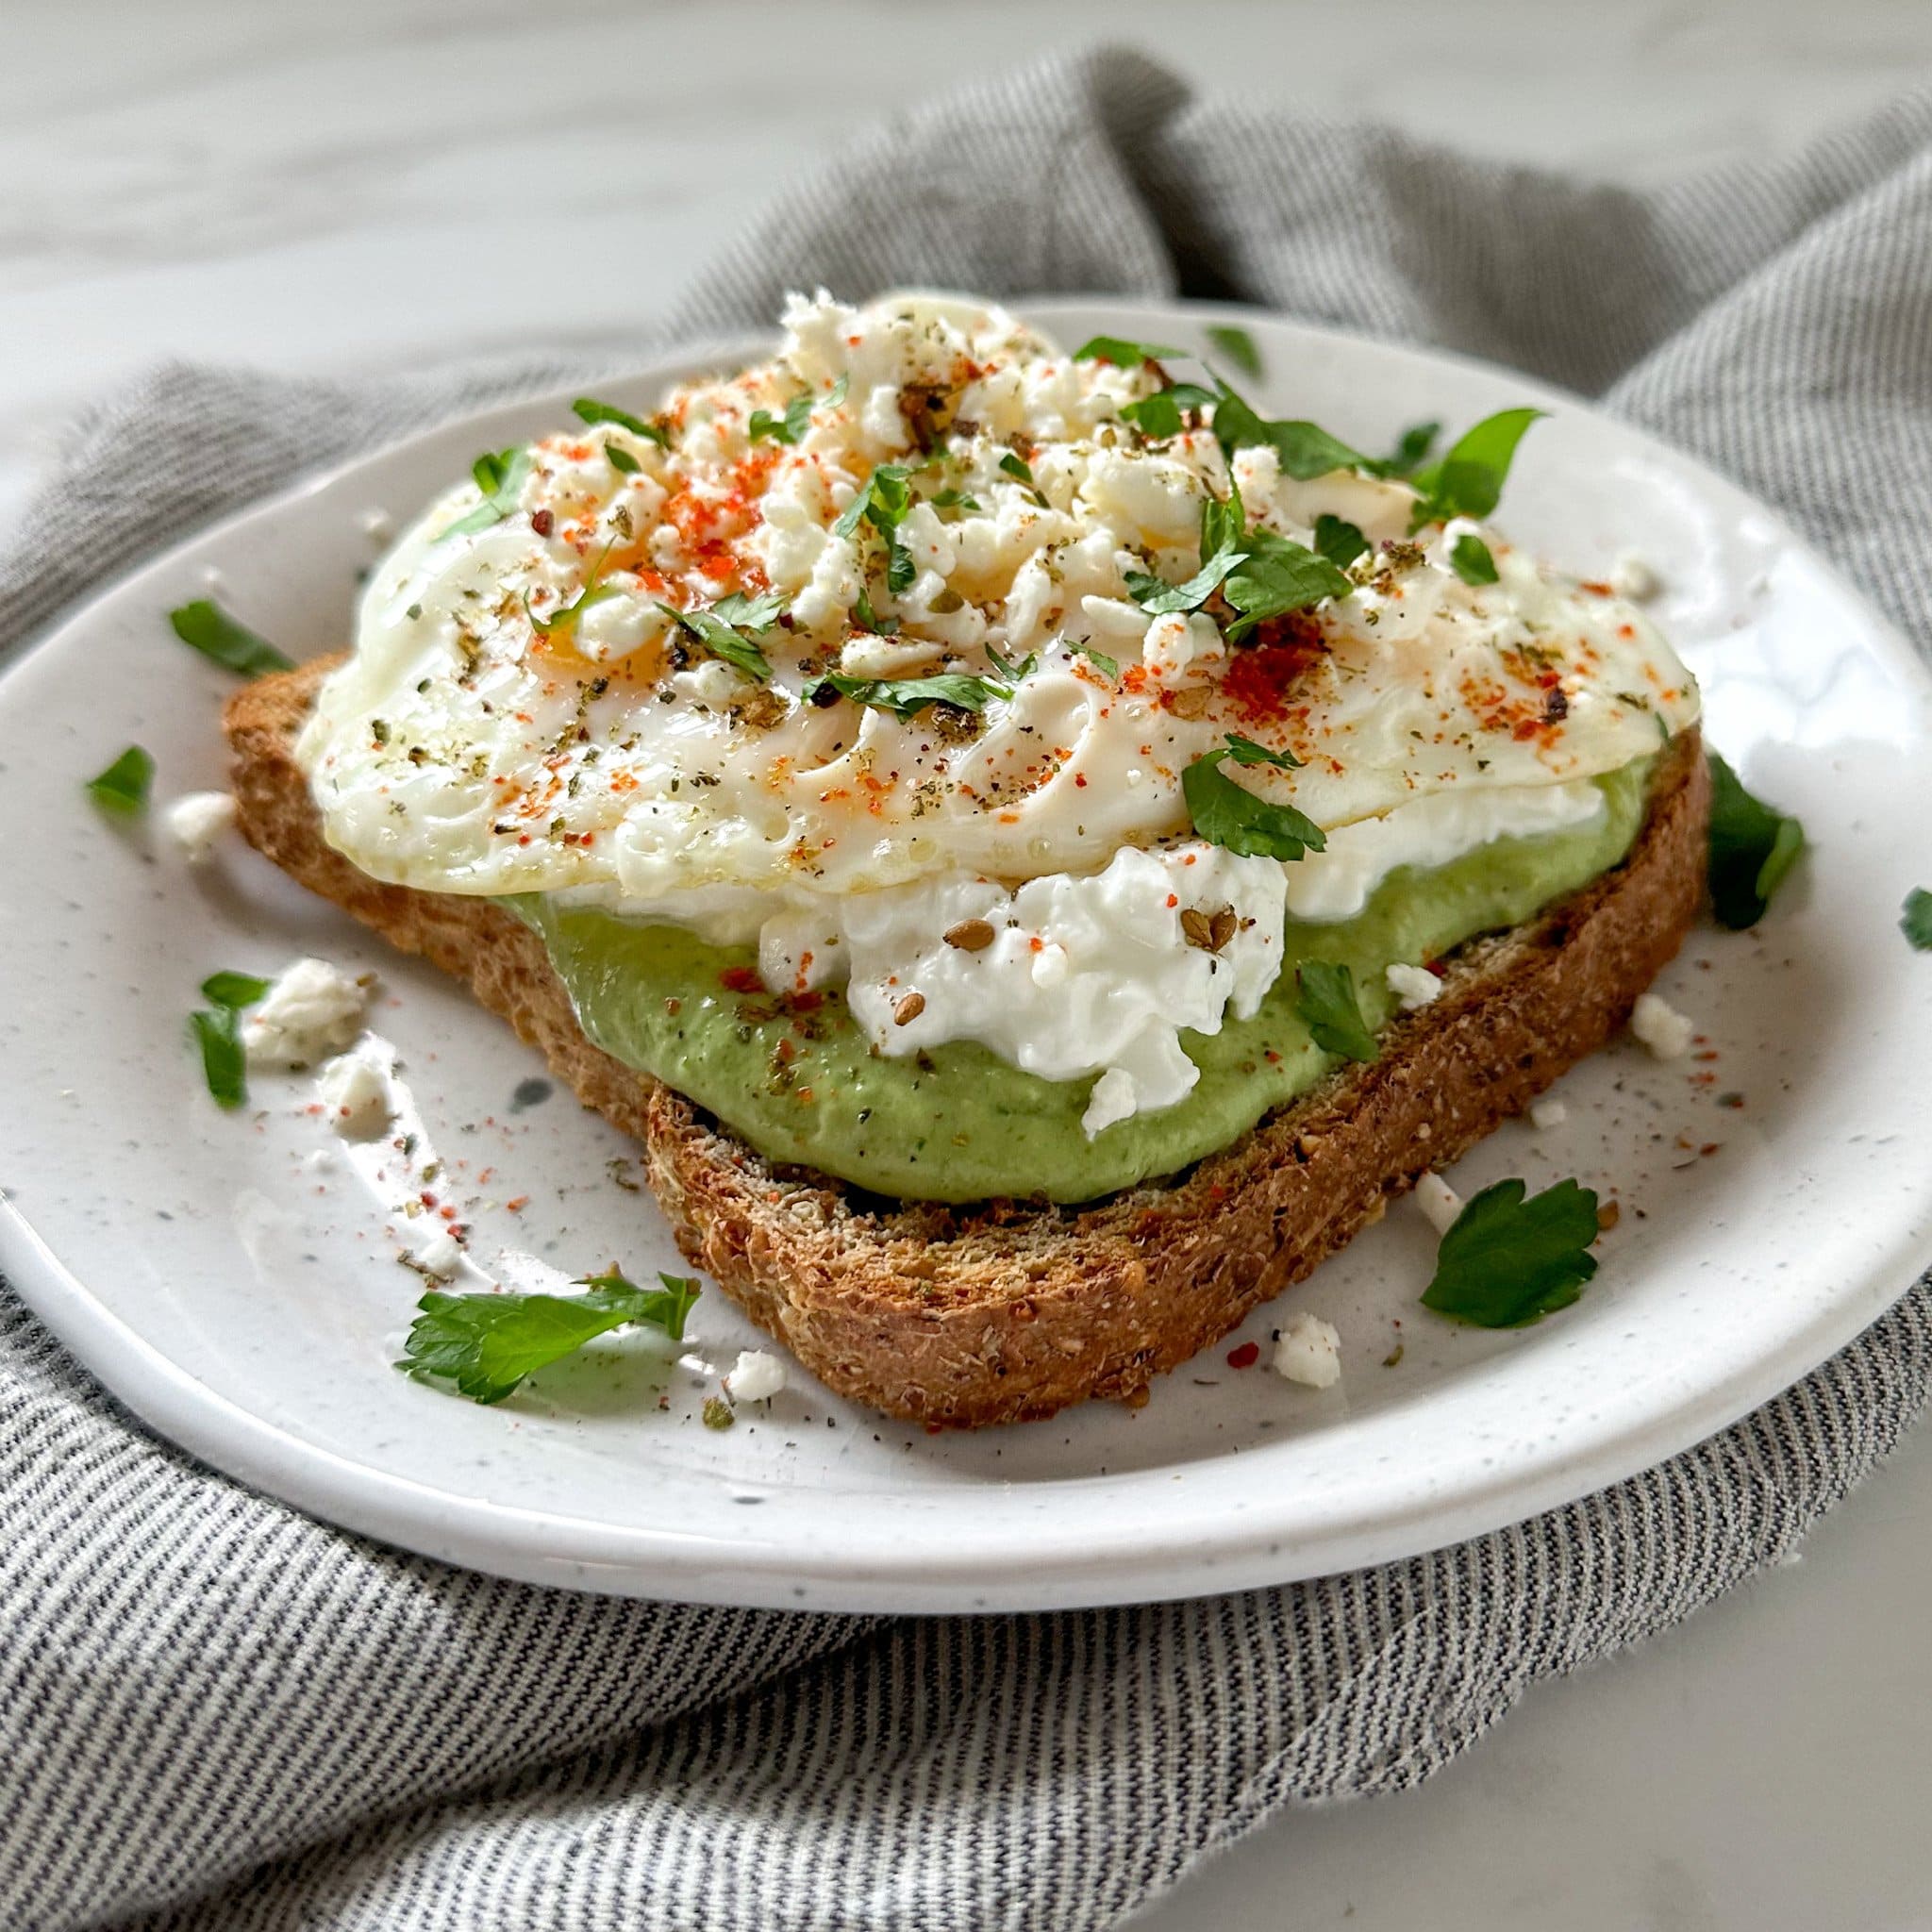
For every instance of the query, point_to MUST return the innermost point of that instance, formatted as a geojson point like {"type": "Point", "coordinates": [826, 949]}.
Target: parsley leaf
{"type": "Point", "coordinates": [905, 698]}
{"type": "Point", "coordinates": [500, 477]}
{"type": "Point", "coordinates": [955, 499]}
{"type": "Point", "coordinates": [1340, 540]}
{"type": "Point", "coordinates": [1122, 353]}
{"type": "Point", "coordinates": [1222, 524]}
{"type": "Point", "coordinates": [884, 503]}
{"type": "Point", "coordinates": [1278, 575]}
{"type": "Point", "coordinates": [1238, 345]}
{"type": "Point", "coordinates": [721, 628]}
{"type": "Point", "coordinates": [124, 787]}
{"type": "Point", "coordinates": [1099, 659]}
{"type": "Point", "coordinates": [593, 591]}
{"type": "Point", "coordinates": [1915, 918]}
{"type": "Point", "coordinates": [592, 410]}
{"type": "Point", "coordinates": [1411, 448]}
{"type": "Point", "coordinates": [233, 991]}
{"type": "Point", "coordinates": [1468, 482]}
{"type": "Point", "coordinates": [223, 1065]}
{"type": "Point", "coordinates": [212, 632]}
{"type": "Point", "coordinates": [1231, 816]}
{"type": "Point", "coordinates": [1508, 1260]}
{"type": "Point", "coordinates": [218, 1033]}
{"type": "Point", "coordinates": [1752, 848]}
{"type": "Point", "coordinates": [791, 426]}
{"type": "Point", "coordinates": [1012, 673]}
{"type": "Point", "coordinates": [1159, 416]}
{"type": "Point", "coordinates": [1328, 1002]}
{"type": "Point", "coordinates": [866, 618]}
{"type": "Point", "coordinates": [1469, 556]}
{"type": "Point", "coordinates": [1306, 449]}
{"type": "Point", "coordinates": [488, 1343]}
{"type": "Point", "coordinates": [622, 460]}
{"type": "Point", "coordinates": [1017, 467]}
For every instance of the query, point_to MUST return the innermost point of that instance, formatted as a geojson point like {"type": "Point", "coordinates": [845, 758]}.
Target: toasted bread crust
{"type": "Point", "coordinates": [1009, 1311]}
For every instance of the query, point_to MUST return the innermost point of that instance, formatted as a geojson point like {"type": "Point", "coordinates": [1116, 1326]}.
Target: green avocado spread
{"type": "Point", "coordinates": [800, 1082]}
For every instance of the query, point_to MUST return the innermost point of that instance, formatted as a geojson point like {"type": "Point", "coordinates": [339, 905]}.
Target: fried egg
{"type": "Point", "coordinates": [530, 706]}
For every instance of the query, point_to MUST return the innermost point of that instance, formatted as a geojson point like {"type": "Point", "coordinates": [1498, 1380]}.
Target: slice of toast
{"type": "Point", "coordinates": [1011, 1310]}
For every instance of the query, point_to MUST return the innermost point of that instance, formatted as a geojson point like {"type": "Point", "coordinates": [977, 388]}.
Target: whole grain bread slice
{"type": "Point", "coordinates": [1011, 1310]}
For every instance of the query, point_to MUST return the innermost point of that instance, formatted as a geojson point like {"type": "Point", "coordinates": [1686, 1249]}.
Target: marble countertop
{"type": "Point", "coordinates": [326, 189]}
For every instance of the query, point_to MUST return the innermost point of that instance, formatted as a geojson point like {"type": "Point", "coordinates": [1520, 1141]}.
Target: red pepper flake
{"type": "Point", "coordinates": [1245, 1357]}
{"type": "Point", "coordinates": [517, 1206]}
{"type": "Point", "coordinates": [741, 979]}
{"type": "Point", "coordinates": [542, 522]}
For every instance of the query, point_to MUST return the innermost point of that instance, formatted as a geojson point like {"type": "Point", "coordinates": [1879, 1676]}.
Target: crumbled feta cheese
{"type": "Point", "coordinates": [1661, 1027]}
{"type": "Point", "coordinates": [312, 1010]}
{"type": "Point", "coordinates": [196, 819]}
{"type": "Point", "coordinates": [1414, 986]}
{"type": "Point", "coordinates": [756, 1377]}
{"type": "Point", "coordinates": [1632, 577]}
{"type": "Point", "coordinates": [1309, 1351]}
{"type": "Point", "coordinates": [1438, 1201]}
{"type": "Point", "coordinates": [1547, 1112]}
{"type": "Point", "coordinates": [439, 1253]}
{"type": "Point", "coordinates": [356, 1097]}
{"type": "Point", "coordinates": [696, 1365]}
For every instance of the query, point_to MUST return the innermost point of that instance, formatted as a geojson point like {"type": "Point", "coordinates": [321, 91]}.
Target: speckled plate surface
{"type": "Point", "coordinates": [1775, 1190]}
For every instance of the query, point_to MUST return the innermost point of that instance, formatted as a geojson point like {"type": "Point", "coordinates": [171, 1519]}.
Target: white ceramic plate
{"type": "Point", "coordinates": [250, 1309]}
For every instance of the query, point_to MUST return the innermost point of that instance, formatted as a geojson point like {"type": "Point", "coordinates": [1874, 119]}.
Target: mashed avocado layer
{"type": "Point", "coordinates": [800, 1082]}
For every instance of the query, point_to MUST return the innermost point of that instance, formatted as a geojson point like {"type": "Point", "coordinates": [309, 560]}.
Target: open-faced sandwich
{"type": "Point", "coordinates": [1038, 852]}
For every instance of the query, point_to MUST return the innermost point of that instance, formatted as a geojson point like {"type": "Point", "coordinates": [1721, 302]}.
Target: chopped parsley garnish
{"type": "Point", "coordinates": [955, 499]}
{"type": "Point", "coordinates": [1221, 527]}
{"type": "Point", "coordinates": [1238, 345]}
{"type": "Point", "coordinates": [592, 410]}
{"type": "Point", "coordinates": [1469, 557]}
{"type": "Point", "coordinates": [1340, 540]}
{"type": "Point", "coordinates": [1022, 470]}
{"type": "Point", "coordinates": [905, 698]}
{"type": "Point", "coordinates": [1752, 848]}
{"type": "Point", "coordinates": [1122, 353]}
{"type": "Point", "coordinates": [1231, 816]}
{"type": "Point", "coordinates": [1328, 1002]}
{"type": "Point", "coordinates": [233, 991]}
{"type": "Point", "coordinates": [218, 1033]}
{"type": "Point", "coordinates": [722, 629]}
{"type": "Point", "coordinates": [487, 1344]}
{"type": "Point", "coordinates": [1109, 666]}
{"type": "Point", "coordinates": [501, 477]}
{"type": "Point", "coordinates": [212, 632]}
{"type": "Point", "coordinates": [1508, 1260]}
{"type": "Point", "coordinates": [866, 618]}
{"type": "Point", "coordinates": [791, 426]}
{"type": "Point", "coordinates": [1306, 449]}
{"type": "Point", "coordinates": [122, 788]}
{"type": "Point", "coordinates": [1163, 414]}
{"type": "Point", "coordinates": [622, 460]}
{"type": "Point", "coordinates": [884, 503]}
{"type": "Point", "coordinates": [1468, 482]}
{"type": "Point", "coordinates": [1012, 673]}
{"type": "Point", "coordinates": [594, 591]}
{"type": "Point", "coordinates": [1411, 448]}
{"type": "Point", "coordinates": [1915, 918]}
{"type": "Point", "coordinates": [1278, 575]}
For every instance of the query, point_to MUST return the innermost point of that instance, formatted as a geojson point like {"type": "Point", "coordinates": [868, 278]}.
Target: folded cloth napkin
{"type": "Point", "coordinates": [216, 1713]}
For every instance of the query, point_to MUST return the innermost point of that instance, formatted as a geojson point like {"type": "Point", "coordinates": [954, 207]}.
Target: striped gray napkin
{"type": "Point", "coordinates": [215, 1713]}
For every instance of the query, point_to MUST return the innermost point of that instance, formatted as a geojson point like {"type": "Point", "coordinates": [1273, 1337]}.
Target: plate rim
{"type": "Point", "coordinates": [1231, 1551]}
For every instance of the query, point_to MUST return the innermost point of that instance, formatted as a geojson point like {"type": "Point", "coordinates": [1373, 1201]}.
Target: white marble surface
{"type": "Point", "coordinates": [379, 183]}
